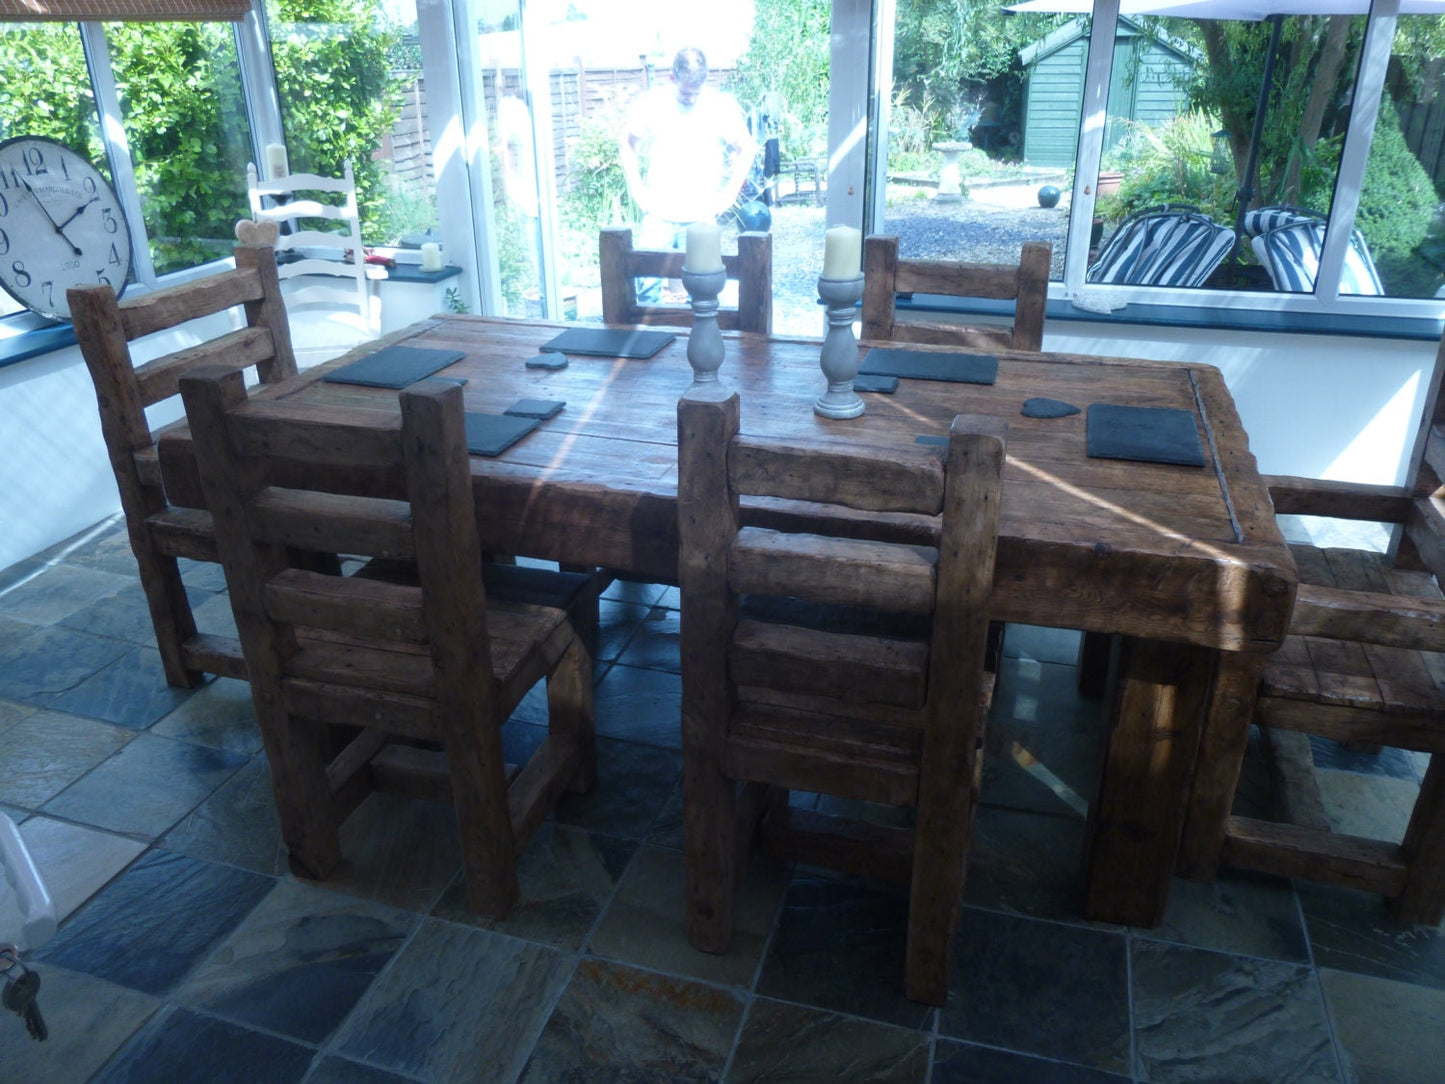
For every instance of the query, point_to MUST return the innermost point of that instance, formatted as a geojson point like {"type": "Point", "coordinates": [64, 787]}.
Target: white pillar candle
{"type": "Point", "coordinates": [276, 164]}
{"type": "Point", "coordinates": [431, 256]}
{"type": "Point", "coordinates": [704, 247]}
{"type": "Point", "coordinates": [842, 252]}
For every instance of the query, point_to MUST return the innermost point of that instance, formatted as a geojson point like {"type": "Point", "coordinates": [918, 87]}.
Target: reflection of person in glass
{"type": "Point", "coordinates": [686, 150]}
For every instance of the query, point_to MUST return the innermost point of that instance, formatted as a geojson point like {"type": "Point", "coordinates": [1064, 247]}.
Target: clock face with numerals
{"type": "Point", "coordinates": [60, 226]}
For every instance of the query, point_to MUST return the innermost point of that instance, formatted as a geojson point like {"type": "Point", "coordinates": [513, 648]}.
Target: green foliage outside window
{"type": "Point", "coordinates": [788, 55]}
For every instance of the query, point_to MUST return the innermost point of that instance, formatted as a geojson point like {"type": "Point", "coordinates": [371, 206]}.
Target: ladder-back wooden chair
{"type": "Point", "coordinates": [106, 330]}
{"type": "Point", "coordinates": [429, 661]}
{"type": "Point", "coordinates": [1363, 665]}
{"type": "Point", "coordinates": [886, 276]}
{"type": "Point", "coordinates": [838, 665]}
{"type": "Point", "coordinates": [620, 265]}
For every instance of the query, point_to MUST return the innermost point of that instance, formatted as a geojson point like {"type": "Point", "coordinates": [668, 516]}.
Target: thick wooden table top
{"type": "Point", "coordinates": [1175, 553]}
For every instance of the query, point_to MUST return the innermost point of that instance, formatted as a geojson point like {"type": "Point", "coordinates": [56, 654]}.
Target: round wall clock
{"type": "Point", "coordinates": [60, 226]}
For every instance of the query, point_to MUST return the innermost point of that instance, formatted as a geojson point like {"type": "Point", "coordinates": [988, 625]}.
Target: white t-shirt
{"type": "Point", "coordinates": [683, 150]}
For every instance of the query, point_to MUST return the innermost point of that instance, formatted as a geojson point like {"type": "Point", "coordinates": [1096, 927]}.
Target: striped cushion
{"type": "Point", "coordinates": [1291, 255]}
{"type": "Point", "coordinates": [1164, 248]}
{"type": "Point", "coordinates": [1264, 219]}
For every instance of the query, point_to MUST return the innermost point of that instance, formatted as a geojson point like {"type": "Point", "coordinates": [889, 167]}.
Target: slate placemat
{"type": "Point", "coordinates": [1143, 434]}
{"type": "Point", "coordinates": [884, 385]}
{"type": "Point", "coordinates": [609, 342]}
{"type": "Point", "coordinates": [493, 434]}
{"type": "Point", "coordinates": [924, 365]}
{"type": "Point", "coordinates": [541, 409]}
{"type": "Point", "coordinates": [395, 366]}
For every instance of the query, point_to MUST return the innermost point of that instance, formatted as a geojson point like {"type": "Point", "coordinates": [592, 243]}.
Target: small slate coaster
{"type": "Point", "coordinates": [922, 365]}
{"type": "Point", "coordinates": [1047, 408]}
{"type": "Point", "coordinates": [493, 434]}
{"type": "Point", "coordinates": [606, 342]}
{"type": "Point", "coordinates": [1143, 434]}
{"type": "Point", "coordinates": [547, 361]}
{"type": "Point", "coordinates": [395, 366]}
{"type": "Point", "coordinates": [884, 385]}
{"type": "Point", "coordinates": [929, 438]}
{"type": "Point", "coordinates": [541, 409]}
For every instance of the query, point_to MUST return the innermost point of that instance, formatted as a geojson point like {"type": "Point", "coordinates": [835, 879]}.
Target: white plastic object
{"type": "Point", "coordinates": [27, 915]}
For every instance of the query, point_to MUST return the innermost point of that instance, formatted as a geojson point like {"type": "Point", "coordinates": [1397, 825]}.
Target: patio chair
{"type": "Point", "coordinates": [112, 339]}
{"type": "Point", "coordinates": [1290, 252]}
{"type": "Point", "coordinates": [842, 666]}
{"type": "Point", "coordinates": [427, 656]}
{"type": "Point", "coordinates": [1359, 667]}
{"type": "Point", "coordinates": [322, 261]}
{"type": "Point", "coordinates": [886, 276]}
{"type": "Point", "coordinates": [621, 264]}
{"type": "Point", "coordinates": [1171, 245]}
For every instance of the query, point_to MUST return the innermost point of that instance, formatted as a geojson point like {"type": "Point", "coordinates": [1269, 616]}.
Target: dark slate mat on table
{"type": "Point", "coordinates": [609, 342]}
{"type": "Point", "coordinates": [395, 366]}
{"type": "Point", "coordinates": [1143, 434]}
{"type": "Point", "coordinates": [493, 434]}
{"type": "Point", "coordinates": [884, 385]}
{"type": "Point", "coordinates": [1039, 407]}
{"type": "Point", "coordinates": [925, 365]}
{"type": "Point", "coordinates": [541, 409]}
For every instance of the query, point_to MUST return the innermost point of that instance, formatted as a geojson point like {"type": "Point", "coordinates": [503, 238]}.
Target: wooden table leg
{"type": "Point", "coordinates": [1135, 823]}
{"type": "Point", "coordinates": [1221, 756]}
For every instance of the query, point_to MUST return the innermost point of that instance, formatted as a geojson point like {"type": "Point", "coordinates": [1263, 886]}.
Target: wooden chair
{"type": "Point", "coordinates": [886, 276]}
{"type": "Point", "coordinates": [429, 663]}
{"type": "Point", "coordinates": [620, 264]}
{"type": "Point", "coordinates": [1364, 665]}
{"type": "Point", "coordinates": [160, 534]}
{"type": "Point", "coordinates": [866, 681]}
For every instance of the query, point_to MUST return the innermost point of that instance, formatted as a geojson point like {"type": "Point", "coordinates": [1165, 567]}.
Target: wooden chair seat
{"type": "Point", "coordinates": [846, 666]}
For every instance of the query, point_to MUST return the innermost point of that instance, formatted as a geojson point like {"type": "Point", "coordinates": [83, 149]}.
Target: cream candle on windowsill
{"type": "Point", "coordinates": [276, 163]}
{"type": "Point", "coordinates": [842, 252]}
{"type": "Point", "coordinates": [431, 256]}
{"type": "Point", "coordinates": [704, 247]}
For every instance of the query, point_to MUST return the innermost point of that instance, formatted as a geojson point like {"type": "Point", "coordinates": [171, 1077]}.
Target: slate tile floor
{"type": "Point", "coordinates": [189, 953]}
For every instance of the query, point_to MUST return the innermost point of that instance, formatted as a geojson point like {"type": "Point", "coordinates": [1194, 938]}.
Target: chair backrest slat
{"type": "Point", "coordinates": [870, 482]}
{"type": "Point", "coordinates": [620, 264]}
{"type": "Point", "coordinates": [332, 522]}
{"type": "Point", "coordinates": [171, 305]}
{"type": "Point", "coordinates": [833, 571]}
{"type": "Point", "coordinates": [160, 379]}
{"type": "Point", "coordinates": [371, 609]}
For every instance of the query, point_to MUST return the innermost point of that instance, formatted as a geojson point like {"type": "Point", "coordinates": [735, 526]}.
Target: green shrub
{"type": "Point", "coordinates": [1170, 163]}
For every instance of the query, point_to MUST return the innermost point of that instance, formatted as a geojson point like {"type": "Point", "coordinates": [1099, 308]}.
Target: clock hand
{"type": "Point", "coordinates": [45, 211]}
{"type": "Point", "coordinates": [74, 214]}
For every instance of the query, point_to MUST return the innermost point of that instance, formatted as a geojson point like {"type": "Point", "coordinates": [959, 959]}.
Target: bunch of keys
{"type": "Point", "coordinates": [22, 987]}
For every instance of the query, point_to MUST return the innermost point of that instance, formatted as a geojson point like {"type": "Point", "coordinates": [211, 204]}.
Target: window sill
{"type": "Point", "coordinates": [1420, 328]}
{"type": "Point", "coordinates": [26, 335]}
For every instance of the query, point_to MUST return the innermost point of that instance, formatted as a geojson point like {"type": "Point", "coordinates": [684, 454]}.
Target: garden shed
{"type": "Point", "coordinates": [1147, 85]}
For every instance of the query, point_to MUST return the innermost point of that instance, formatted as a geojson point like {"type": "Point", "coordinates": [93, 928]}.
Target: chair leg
{"type": "Point", "coordinates": [478, 768]}
{"type": "Point", "coordinates": [570, 713]}
{"type": "Point", "coordinates": [170, 611]}
{"type": "Point", "coordinates": [709, 803]}
{"type": "Point", "coordinates": [1423, 849]}
{"type": "Point", "coordinates": [310, 827]}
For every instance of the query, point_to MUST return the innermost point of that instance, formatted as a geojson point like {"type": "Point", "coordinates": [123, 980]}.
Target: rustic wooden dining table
{"type": "Point", "coordinates": [1184, 563]}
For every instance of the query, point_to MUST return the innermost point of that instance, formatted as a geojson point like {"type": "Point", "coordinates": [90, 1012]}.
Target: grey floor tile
{"type": "Point", "coordinates": [567, 877]}
{"type": "Point", "coordinates": [1033, 694]}
{"type": "Point", "coordinates": [332, 1070]}
{"type": "Point", "coordinates": [104, 546]}
{"type": "Point", "coordinates": [1248, 914]}
{"type": "Point", "coordinates": [89, 1019]}
{"type": "Point", "coordinates": [1352, 931]}
{"type": "Point", "coordinates": [218, 714]}
{"type": "Point", "coordinates": [1389, 1032]}
{"type": "Point", "coordinates": [654, 645]}
{"type": "Point", "coordinates": [619, 623]}
{"type": "Point", "coordinates": [51, 660]}
{"type": "Point", "coordinates": [792, 1042]}
{"type": "Point", "coordinates": [840, 946]}
{"type": "Point", "coordinates": [298, 963]}
{"type": "Point", "coordinates": [1041, 644]}
{"type": "Point", "coordinates": [1028, 863]}
{"type": "Point", "coordinates": [147, 787]}
{"type": "Point", "coordinates": [75, 862]}
{"type": "Point", "coordinates": [12, 631]}
{"type": "Point", "coordinates": [237, 824]}
{"type": "Point", "coordinates": [1388, 761]}
{"type": "Point", "coordinates": [151, 925]}
{"type": "Point", "coordinates": [1372, 806]}
{"type": "Point", "coordinates": [59, 591]}
{"type": "Point", "coordinates": [214, 616]}
{"type": "Point", "coordinates": [1210, 1016]}
{"type": "Point", "coordinates": [646, 922]}
{"type": "Point", "coordinates": [13, 711]}
{"type": "Point", "coordinates": [131, 691]}
{"type": "Point", "coordinates": [124, 615]}
{"type": "Point", "coordinates": [456, 1001]}
{"type": "Point", "coordinates": [964, 1063]}
{"type": "Point", "coordinates": [398, 851]}
{"type": "Point", "coordinates": [1043, 988]}
{"type": "Point", "coordinates": [202, 575]}
{"type": "Point", "coordinates": [633, 784]}
{"type": "Point", "coordinates": [44, 753]}
{"type": "Point", "coordinates": [20, 572]}
{"type": "Point", "coordinates": [1040, 768]}
{"type": "Point", "coordinates": [616, 1023]}
{"type": "Point", "coordinates": [181, 1045]}
{"type": "Point", "coordinates": [639, 594]}
{"type": "Point", "coordinates": [640, 705]}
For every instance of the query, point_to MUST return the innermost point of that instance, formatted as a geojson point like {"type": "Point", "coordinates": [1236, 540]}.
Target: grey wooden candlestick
{"type": "Point", "coordinates": [839, 356]}
{"type": "Point", "coordinates": [705, 343]}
